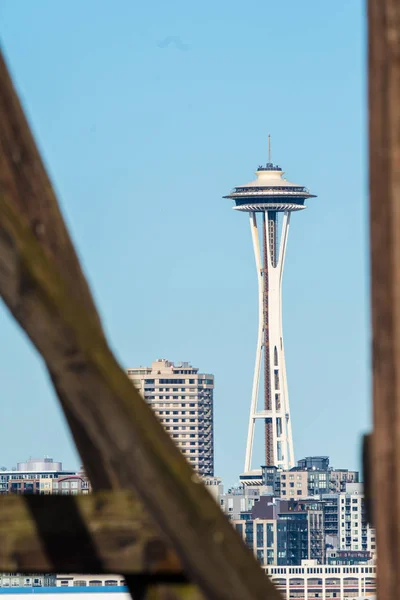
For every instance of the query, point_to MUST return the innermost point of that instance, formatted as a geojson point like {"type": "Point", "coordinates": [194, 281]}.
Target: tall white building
{"type": "Point", "coordinates": [267, 200]}
{"type": "Point", "coordinates": [182, 399]}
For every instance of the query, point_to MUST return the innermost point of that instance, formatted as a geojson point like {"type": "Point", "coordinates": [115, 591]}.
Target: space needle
{"type": "Point", "coordinates": [264, 199]}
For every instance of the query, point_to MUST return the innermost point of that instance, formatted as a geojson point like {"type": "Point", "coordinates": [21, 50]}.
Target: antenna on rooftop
{"type": "Point", "coordinates": [269, 147]}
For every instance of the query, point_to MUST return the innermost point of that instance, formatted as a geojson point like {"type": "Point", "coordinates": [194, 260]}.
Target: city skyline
{"type": "Point", "coordinates": [141, 142]}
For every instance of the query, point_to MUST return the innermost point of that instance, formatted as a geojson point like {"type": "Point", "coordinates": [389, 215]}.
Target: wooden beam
{"type": "Point", "coordinates": [122, 535]}
{"type": "Point", "coordinates": [121, 442]}
{"type": "Point", "coordinates": [384, 166]}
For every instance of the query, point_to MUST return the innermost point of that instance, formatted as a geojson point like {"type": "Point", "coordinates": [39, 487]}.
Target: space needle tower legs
{"type": "Point", "coordinates": [265, 199]}
{"type": "Point", "coordinates": [276, 412]}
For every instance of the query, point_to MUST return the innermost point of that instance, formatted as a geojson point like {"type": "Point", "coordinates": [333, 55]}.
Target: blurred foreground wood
{"type": "Point", "coordinates": [384, 166]}
{"type": "Point", "coordinates": [49, 534]}
{"type": "Point", "coordinates": [121, 442]}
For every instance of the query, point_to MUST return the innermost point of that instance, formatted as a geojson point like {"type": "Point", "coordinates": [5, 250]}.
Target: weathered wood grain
{"type": "Point", "coordinates": [122, 533]}
{"type": "Point", "coordinates": [121, 442]}
{"type": "Point", "coordinates": [384, 166]}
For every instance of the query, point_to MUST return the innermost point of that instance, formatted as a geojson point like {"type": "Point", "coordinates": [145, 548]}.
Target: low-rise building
{"type": "Point", "coordinates": [35, 476]}
{"type": "Point", "coordinates": [324, 582]}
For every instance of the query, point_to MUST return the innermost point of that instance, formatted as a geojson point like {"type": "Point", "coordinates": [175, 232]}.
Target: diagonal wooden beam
{"type": "Point", "coordinates": [384, 167]}
{"type": "Point", "coordinates": [55, 534]}
{"type": "Point", "coordinates": [120, 440]}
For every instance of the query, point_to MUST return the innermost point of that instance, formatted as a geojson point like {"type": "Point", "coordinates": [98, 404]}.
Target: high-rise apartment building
{"type": "Point", "coordinates": [182, 399]}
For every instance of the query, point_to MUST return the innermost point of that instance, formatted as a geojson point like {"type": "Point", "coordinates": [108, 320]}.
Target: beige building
{"type": "Point", "coordinates": [324, 582]}
{"type": "Point", "coordinates": [182, 399]}
{"type": "Point", "coordinates": [294, 484]}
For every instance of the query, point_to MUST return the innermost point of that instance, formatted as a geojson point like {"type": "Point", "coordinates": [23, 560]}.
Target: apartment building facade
{"type": "Point", "coordinates": [182, 398]}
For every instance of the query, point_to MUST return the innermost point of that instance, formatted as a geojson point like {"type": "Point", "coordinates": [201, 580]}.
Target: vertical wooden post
{"type": "Point", "coordinates": [384, 165]}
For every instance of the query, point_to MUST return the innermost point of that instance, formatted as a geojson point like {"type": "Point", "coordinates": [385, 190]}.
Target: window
{"type": "Point", "coordinates": [111, 582]}
{"type": "Point", "coordinates": [79, 583]}
{"type": "Point", "coordinates": [260, 556]}
{"type": "Point", "coordinates": [95, 583]}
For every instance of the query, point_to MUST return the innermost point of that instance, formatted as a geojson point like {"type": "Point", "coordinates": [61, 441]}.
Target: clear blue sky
{"type": "Point", "coordinates": [142, 139]}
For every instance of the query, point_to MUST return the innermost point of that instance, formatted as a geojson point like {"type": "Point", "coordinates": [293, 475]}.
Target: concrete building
{"type": "Point", "coordinates": [323, 582]}
{"type": "Point", "coordinates": [41, 476]}
{"type": "Point", "coordinates": [348, 557]}
{"type": "Point", "coordinates": [314, 477]}
{"type": "Point", "coordinates": [303, 582]}
{"type": "Point", "coordinates": [182, 399]}
{"type": "Point", "coordinates": [354, 533]}
{"type": "Point", "coordinates": [239, 500]}
{"type": "Point", "coordinates": [340, 478]}
{"type": "Point", "coordinates": [264, 199]}
{"type": "Point", "coordinates": [294, 484]}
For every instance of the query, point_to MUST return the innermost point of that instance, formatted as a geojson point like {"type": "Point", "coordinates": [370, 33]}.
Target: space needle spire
{"type": "Point", "coordinates": [265, 199]}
